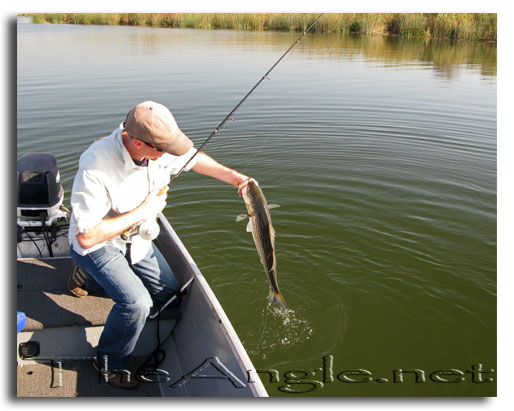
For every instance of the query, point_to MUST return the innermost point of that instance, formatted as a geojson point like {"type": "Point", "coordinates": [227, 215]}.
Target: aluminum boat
{"type": "Point", "coordinates": [190, 350]}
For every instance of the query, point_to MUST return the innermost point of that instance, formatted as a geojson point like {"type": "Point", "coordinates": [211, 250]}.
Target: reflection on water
{"type": "Point", "coordinates": [445, 56]}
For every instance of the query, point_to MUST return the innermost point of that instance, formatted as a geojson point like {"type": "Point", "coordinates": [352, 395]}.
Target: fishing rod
{"type": "Point", "coordinates": [229, 116]}
{"type": "Point", "coordinates": [127, 233]}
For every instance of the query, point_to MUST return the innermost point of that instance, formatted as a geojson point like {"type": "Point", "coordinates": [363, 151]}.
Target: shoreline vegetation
{"type": "Point", "coordinates": [466, 26]}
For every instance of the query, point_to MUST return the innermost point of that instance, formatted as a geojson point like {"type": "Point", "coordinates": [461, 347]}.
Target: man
{"type": "Point", "coordinates": [122, 181]}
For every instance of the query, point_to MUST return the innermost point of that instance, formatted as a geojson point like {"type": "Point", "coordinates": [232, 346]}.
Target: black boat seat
{"type": "Point", "coordinates": [43, 296]}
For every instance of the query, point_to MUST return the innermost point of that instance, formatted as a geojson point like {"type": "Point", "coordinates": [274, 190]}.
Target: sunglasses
{"type": "Point", "coordinates": [160, 150]}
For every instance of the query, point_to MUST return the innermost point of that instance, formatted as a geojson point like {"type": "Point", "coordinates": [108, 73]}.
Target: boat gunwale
{"type": "Point", "coordinates": [244, 361]}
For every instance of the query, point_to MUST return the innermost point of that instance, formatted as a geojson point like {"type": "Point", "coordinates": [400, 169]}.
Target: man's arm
{"type": "Point", "coordinates": [111, 227]}
{"type": "Point", "coordinates": [208, 166]}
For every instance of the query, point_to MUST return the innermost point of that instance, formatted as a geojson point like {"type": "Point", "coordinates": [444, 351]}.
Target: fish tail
{"type": "Point", "coordinates": [277, 298]}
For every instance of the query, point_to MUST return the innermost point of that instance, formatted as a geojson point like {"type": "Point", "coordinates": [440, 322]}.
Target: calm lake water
{"type": "Point", "coordinates": [381, 153]}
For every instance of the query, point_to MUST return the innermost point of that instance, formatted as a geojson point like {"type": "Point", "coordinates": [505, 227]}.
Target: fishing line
{"type": "Point", "coordinates": [268, 135]}
{"type": "Point", "coordinates": [229, 116]}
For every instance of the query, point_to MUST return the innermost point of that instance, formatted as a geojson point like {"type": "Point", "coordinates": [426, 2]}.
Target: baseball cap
{"type": "Point", "coordinates": [153, 123]}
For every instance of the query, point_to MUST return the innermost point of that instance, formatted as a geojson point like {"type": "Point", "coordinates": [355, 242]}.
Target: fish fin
{"type": "Point", "coordinates": [277, 298]}
{"type": "Point", "coordinates": [272, 206]}
{"type": "Point", "coordinates": [241, 217]}
{"type": "Point", "coordinates": [249, 226]}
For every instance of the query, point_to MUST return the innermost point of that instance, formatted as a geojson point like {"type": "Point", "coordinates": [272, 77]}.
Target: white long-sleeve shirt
{"type": "Point", "coordinates": [109, 183]}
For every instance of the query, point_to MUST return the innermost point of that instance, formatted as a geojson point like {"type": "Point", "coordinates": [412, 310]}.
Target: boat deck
{"type": "Point", "coordinates": [44, 298]}
{"type": "Point", "coordinates": [67, 329]}
{"type": "Point", "coordinates": [73, 378]}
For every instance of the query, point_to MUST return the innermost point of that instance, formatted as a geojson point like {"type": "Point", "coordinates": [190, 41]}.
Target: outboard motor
{"type": "Point", "coordinates": [42, 220]}
{"type": "Point", "coordinates": [40, 194]}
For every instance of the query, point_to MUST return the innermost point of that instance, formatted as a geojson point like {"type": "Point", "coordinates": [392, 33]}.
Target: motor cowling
{"type": "Point", "coordinates": [40, 194]}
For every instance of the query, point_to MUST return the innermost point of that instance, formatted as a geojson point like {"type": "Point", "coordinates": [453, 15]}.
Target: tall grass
{"type": "Point", "coordinates": [472, 26]}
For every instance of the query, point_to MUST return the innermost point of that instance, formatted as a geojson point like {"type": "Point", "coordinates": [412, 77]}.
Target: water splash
{"type": "Point", "coordinates": [279, 329]}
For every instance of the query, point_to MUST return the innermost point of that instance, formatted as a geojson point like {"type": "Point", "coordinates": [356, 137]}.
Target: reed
{"type": "Point", "coordinates": [471, 26]}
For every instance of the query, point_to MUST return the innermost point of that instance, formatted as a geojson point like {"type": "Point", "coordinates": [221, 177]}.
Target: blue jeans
{"type": "Point", "coordinates": [134, 290]}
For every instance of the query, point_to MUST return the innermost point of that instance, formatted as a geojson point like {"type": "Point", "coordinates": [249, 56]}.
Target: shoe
{"type": "Point", "coordinates": [77, 282]}
{"type": "Point", "coordinates": [122, 379]}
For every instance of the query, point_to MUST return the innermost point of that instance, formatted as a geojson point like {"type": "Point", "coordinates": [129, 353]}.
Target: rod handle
{"type": "Point", "coordinates": [126, 234]}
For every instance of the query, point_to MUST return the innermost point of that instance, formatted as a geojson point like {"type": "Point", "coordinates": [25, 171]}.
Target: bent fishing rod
{"type": "Point", "coordinates": [127, 233]}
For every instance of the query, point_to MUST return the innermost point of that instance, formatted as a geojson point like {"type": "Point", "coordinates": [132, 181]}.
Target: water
{"type": "Point", "coordinates": [381, 153]}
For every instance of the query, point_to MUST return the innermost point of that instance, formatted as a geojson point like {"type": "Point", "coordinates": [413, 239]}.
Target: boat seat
{"type": "Point", "coordinates": [43, 296]}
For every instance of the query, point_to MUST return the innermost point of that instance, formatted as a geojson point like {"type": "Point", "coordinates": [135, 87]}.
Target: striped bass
{"type": "Point", "coordinates": [263, 234]}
